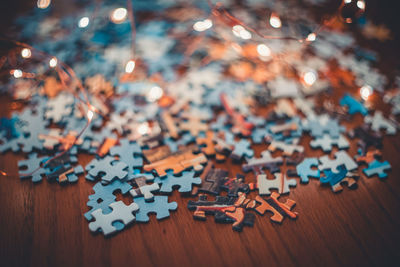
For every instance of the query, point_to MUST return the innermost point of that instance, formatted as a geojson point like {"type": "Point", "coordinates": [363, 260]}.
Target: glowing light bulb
{"type": "Point", "coordinates": [263, 50]}
{"type": "Point", "coordinates": [143, 128]}
{"type": "Point", "coordinates": [366, 91]}
{"type": "Point", "coordinates": [42, 4]}
{"type": "Point", "coordinates": [17, 73]}
{"type": "Point", "coordinates": [53, 62]}
{"type": "Point", "coordinates": [26, 53]}
{"type": "Point", "coordinates": [119, 15]}
{"type": "Point", "coordinates": [347, 1]}
{"type": "Point", "coordinates": [83, 22]}
{"type": "Point", "coordinates": [90, 115]}
{"type": "Point", "coordinates": [154, 94]}
{"type": "Point", "coordinates": [275, 21]}
{"type": "Point", "coordinates": [310, 77]}
{"type": "Point", "coordinates": [203, 25]}
{"type": "Point", "coordinates": [241, 32]}
{"type": "Point", "coordinates": [130, 66]}
{"type": "Point", "coordinates": [311, 37]}
{"type": "Point", "coordinates": [361, 4]}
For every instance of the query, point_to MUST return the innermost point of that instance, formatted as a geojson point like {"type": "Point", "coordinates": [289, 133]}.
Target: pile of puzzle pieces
{"type": "Point", "coordinates": [166, 131]}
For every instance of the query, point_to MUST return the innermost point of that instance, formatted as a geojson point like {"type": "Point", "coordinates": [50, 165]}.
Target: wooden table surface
{"type": "Point", "coordinates": [43, 225]}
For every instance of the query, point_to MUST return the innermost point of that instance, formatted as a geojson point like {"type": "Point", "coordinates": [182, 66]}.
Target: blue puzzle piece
{"type": "Point", "coordinates": [160, 206]}
{"type": "Point", "coordinates": [10, 127]}
{"type": "Point", "coordinates": [108, 168]}
{"type": "Point", "coordinates": [242, 149]}
{"type": "Point", "coordinates": [184, 182]}
{"type": "Point", "coordinates": [129, 153]}
{"type": "Point", "coordinates": [304, 169]}
{"type": "Point", "coordinates": [334, 178]}
{"type": "Point", "coordinates": [353, 105]}
{"type": "Point", "coordinates": [104, 196]}
{"type": "Point", "coordinates": [258, 134]}
{"type": "Point", "coordinates": [33, 167]}
{"type": "Point", "coordinates": [377, 168]}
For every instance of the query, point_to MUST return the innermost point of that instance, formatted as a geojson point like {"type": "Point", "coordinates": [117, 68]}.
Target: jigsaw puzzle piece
{"type": "Point", "coordinates": [185, 182]}
{"type": "Point", "coordinates": [160, 206]}
{"type": "Point", "coordinates": [32, 167]}
{"type": "Point", "coordinates": [288, 149]}
{"type": "Point", "coordinates": [212, 180]}
{"type": "Point", "coordinates": [326, 143]}
{"type": "Point", "coordinates": [242, 149]}
{"type": "Point", "coordinates": [129, 153]}
{"type": "Point", "coordinates": [305, 171]}
{"type": "Point", "coordinates": [144, 189]}
{"type": "Point", "coordinates": [353, 105]}
{"type": "Point", "coordinates": [378, 168]}
{"type": "Point", "coordinates": [281, 183]}
{"type": "Point", "coordinates": [266, 161]}
{"type": "Point", "coordinates": [279, 210]}
{"type": "Point", "coordinates": [378, 121]}
{"type": "Point", "coordinates": [336, 179]}
{"type": "Point", "coordinates": [120, 212]}
{"type": "Point", "coordinates": [107, 168]}
{"type": "Point", "coordinates": [104, 195]}
{"type": "Point", "coordinates": [341, 158]}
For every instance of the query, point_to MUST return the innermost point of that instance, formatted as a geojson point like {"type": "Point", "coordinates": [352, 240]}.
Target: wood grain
{"type": "Point", "coordinates": [43, 225]}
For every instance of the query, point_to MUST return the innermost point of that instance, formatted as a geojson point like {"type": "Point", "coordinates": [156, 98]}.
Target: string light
{"type": "Point", "coordinates": [275, 21]}
{"type": "Point", "coordinates": [202, 25]}
{"type": "Point", "coordinates": [17, 73]}
{"type": "Point", "coordinates": [154, 94]}
{"type": "Point", "coordinates": [310, 77]}
{"type": "Point", "coordinates": [311, 37]}
{"type": "Point", "coordinates": [130, 66]}
{"type": "Point", "coordinates": [366, 91]}
{"type": "Point", "coordinates": [43, 4]}
{"type": "Point", "coordinates": [241, 32]}
{"type": "Point", "coordinates": [119, 15]}
{"type": "Point", "coordinates": [53, 62]}
{"type": "Point", "coordinates": [83, 22]}
{"type": "Point", "coordinates": [361, 4]}
{"type": "Point", "coordinates": [263, 51]}
{"type": "Point", "coordinates": [26, 53]}
{"type": "Point", "coordinates": [90, 115]}
{"type": "Point", "coordinates": [351, 10]}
